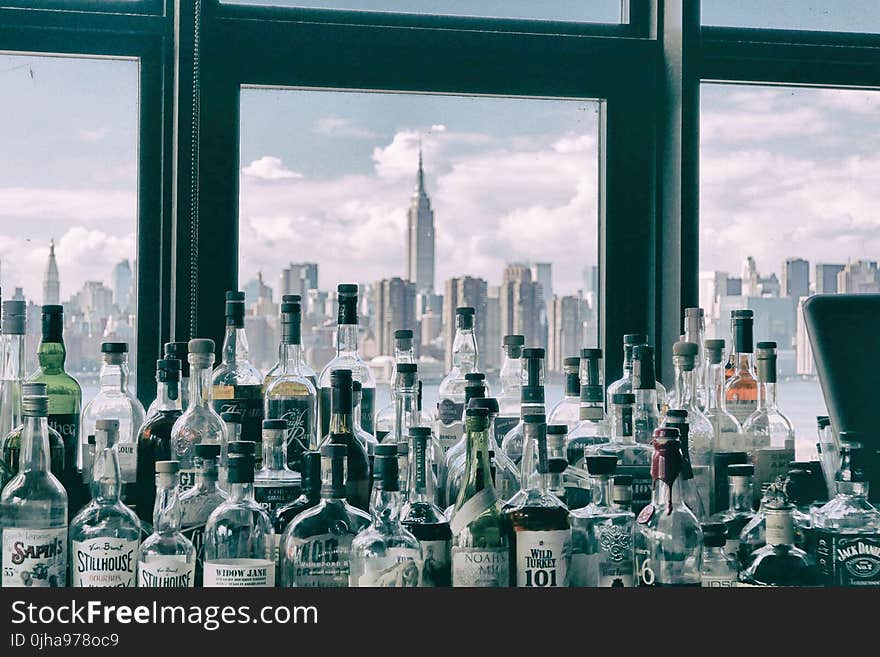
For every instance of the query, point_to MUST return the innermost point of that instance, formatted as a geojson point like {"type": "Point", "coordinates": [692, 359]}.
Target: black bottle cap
{"type": "Point", "coordinates": [513, 340]}
{"type": "Point", "coordinates": [340, 378]}
{"type": "Point", "coordinates": [643, 377]}
{"type": "Point", "coordinates": [489, 403]}
{"type": "Point", "coordinates": [179, 351]}
{"type": "Point", "coordinates": [535, 418]}
{"type": "Point", "coordinates": [386, 473]}
{"type": "Point", "coordinates": [168, 370]}
{"type": "Point", "coordinates": [207, 450]}
{"type": "Point", "coordinates": [714, 534]}
{"type": "Point", "coordinates": [420, 431]}
{"type": "Point", "coordinates": [385, 449]}
{"type": "Point", "coordinates": [591, 353]}
{"type": "Point", "coordinates": [311, 470]}
{"type": "Point", "coordinates": [678, 414]}
{"type": "Point", "coordinates": [742, 313]}
{"type": "Point", "coordinates": [347, 289]}
{"type": "Point", "coordinates": [475, 411]}
{"type": "Point", "coordinates": [573, 361]}
{"type": "Point", "coordinates": [474, 391]}
{"type": "Point", "coordinates": [240, 468]}
{"type": "Point", "coordinates": [534, 353]}
{"type": "Point", "coordinates": [464, 317]}
{"type": "Point", "coordinates": [290, 308]}
{"type": "Point", "coordinates": [235, 314]}
{"type": "Point", "coordinates": [740, 470]}
{"type": "Point", "coordinates": [274, 425]}
{"type": "Point", "coordinates": [635, 338]}
{"type": "Point", "coordinates": [291, 298]}
{"type": "Point", "coordinates": [236, 295]}
{"type": "Point", "coordinates": [334, 450]}
{"type": "Point", "coordinates": [621, 398]}
{"type": "Point", "coordinates": [557, 464]}
{"type": "Point", "coordinates": [114, 348]}
{"type": "Point", "coordinates": [357, 386]}
{"type": "Point", "coordinates": [743, 337]}
{"type": "Point", "coordinates": [409, 368]}
{"type": "Point", "coordinates": [403, 334]}
{"type": "Point", "coordinates": [474, 376]}
{"type": "Point", "coordinates": [231, 417]}
{"type": "Point", "coordinates": [241, 447]}
{"type": "Point", "coordinates": [465, 310]}
{"type": "Point", "coordinates": [600, 465]}
{"type": "Point", "coordinates": [557, 429]}
{"type": "Point", "coordinates": [623, 480]}
{"type": "Point", "coordinates": [52, 309]}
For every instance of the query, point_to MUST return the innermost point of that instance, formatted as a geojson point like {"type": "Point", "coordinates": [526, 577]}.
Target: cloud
{"type": "Point", "coordinates": [94, 135]}
{"type": "Point", "coordinates": [269, 167]}
{"type": "Point", "coordinates": [337, 126]}
{"type": "Point", "coordinates": [81, 205]}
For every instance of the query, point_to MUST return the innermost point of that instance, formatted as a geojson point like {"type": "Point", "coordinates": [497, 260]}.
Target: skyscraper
{"type": "Point", "coordinates": [420, 236]}
{"type": "Point", "coordinates": [464, 291]}
{"type": "Point", "coordinates": [795, 278]}
{"type": "Point", "coordinates": [859, 277]}
{"type": "Point", "coordinates": [395, 307]}
{"type": "Point", "coordinates": [299, 278]}
{"type": "Point", "coordinates": [521, 305]}
{"type": "Point", "coordinates": [51, 281]}
{"type": "Point", "coordinates": [122, 285]}
{"type": "Point", "coordinates": [565, 330]}
{"type": "Point", "coordinates": [826, 277]}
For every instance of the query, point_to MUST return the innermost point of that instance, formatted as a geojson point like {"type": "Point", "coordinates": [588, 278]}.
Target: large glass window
{"type": "Point", "coordinates": [819, 15]}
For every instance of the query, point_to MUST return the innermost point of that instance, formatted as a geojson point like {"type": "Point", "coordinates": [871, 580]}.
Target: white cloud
{"type": "Point", "coordinates": [93, 135]}
{"type": "Point", "coordinates": [82, 205]}
{"type": "Point", "coordinates": [338, 126]}
{"type": "Point", "coordinates": [269, 167]}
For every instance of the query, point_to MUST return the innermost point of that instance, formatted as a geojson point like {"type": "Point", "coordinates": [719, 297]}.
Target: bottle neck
{"type": "Point", "coordinates": [341, 411]}
{"type": "Point", "coordinates": [385, 506]}
{"type": "Point", "coordinates": [420, 487]}
{"type": "Point", "coordinates": [200, 391]}
{"type": "Point", "coordinates": [405, 412]}
{"type": "Point", "coordinates": [742, 494]}
{"type": "Point", "coordinates": [627, 361]}
{"type": "Point", "coordinates": [464, 351]}
{"type": "Point", "coordinates": [291, 358]}
{"type": "Point", "coordinates": [114, 376]}
{"type": "Point", "coordinates": [511, 377]}
{"type": "Point", "coordinates": [478, 472]}
{"type": "Point", "coordinates": [666, 495]}
{"type": "Point", "coordinates": [34, 445]}
{"type": "Point", "coordinates": [241, 492]}
{"type": "Point", "coordinates": [715, 385]}
{"type": "Point", "coordinates": [166, 512]}
{"type": "Point", "coordinates": [274, 455]}
{"type": "Point", "coordinates": [106, 477]}
{"type": "Point", "coordinates": [14, 358]}
{"type": "Point", "coordinates": [685, 388]}
{"type": "Point", "coordinates": [743, 363]}
{"type": "Point", "coordinates": [206, 476]}
{"type": "Point", "coordinates": [235, 345]}
{"type": "Point", "coordinates": [51, 353]}
{"type": "Point", "coordinates": [767, 395]}
{"type": "Point", "coordinates": [346, 340]}
{"type": "Point", "coordinates": [622, 430]}
{"type": "Point", "coordinates": [600, 487]}
{"type": "Point", "coordinates": [168, 396]}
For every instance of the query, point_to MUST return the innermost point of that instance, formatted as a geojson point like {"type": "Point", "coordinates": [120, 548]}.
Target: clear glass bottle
{"type": "Point", "coordinates": [622, 492]}
{"type": "Point", "coordinates": [302, 366]}
{"type": "Point", "coordinates": [348, 358]}
{"type": "Point", "coordinates": [291, 394]}
{"type": "Point", "coordinates": [232, 422]}
{"type": "Point", "coordinates": [695, 332]}
{"type": "Point", "coordinates": [602, 532]}
{"type": "Point", "coordinates": [12, 367]}
{"type": "Point", "coordinates": [720, 569]}
{"type": "Point", "coordinates": [728, 430]}
{"type": "Point", "coordinates": [422, 517]}
{"type": "Point", "coordinates": [239, 539]}
{"type": "Point", "coordinates": [366, 439]}
{"type": "Point", "coordinates": [696, 492]}
{"type": "Point", "coordinates": [174, 351]}
{"type": "Point", "coordinates": [197, 503]}
{"type": "Point", "coordinates": [480, 531]}
{"type": "Point", "coordinates": [567, 410]}
{"type": "Point", "coordinates": [65, 402]}
{"type": "Point", "coordinates": [847, 528]}
{"type": "Point", "coordinates": [316, 547]}
{"type": "Point", "coordinates": [741, 389]}
{"type": "Point", "coordinates": [592, 427]}
{"type": "Point", "coordinates": [154, 435]}
{"type": "Point", "coordinates": [739, 511]}
{"type": "Point", "coordinates": [13, 440]}
{"type": "Point", "coordinates": [275, 484]}
{"type": "Point", "coordinates": [633, 459]}
{"type": "Point", "coordinates": [309, 497]}
{"type": "Point", "coordinates": [403, 468]}
{"type": "Point", "coordinates": [33, 509]}
{"type": "Point", "coordinates": [406, 412]}
{"type": "Point", "coordinates": [625, 383]}
{"type": "Point", "coordinates": [199, 423]}
{"type": "Point", "coordinates": [779, 562]}
{"type": "Point", "coordinates": [105, 535]}
{"type": "Point", "coordinates": [236, 384]}
{"type": "Point", "coordinates": [403, 353]}
{"type": "Point", "coordinates": [668, 539]}
{"type": "Point", "coordinates": [167, 558]}
{"type": "Point", "coordinates": [646, 415]}
{"type": "Point", "coordinates": [451, 402]}
{"type": "Point", "coordinates": [531, 400]}
{"type": "Point", "coordinates": [510, 376]}
{"type": "Point", "coordinates": [752, 537]}
{"type": "Point", "coordinates": [452, 464]}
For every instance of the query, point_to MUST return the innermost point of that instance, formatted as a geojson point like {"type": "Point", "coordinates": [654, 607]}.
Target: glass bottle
{"type": "Point", "coordinates": [696, 492]}
{"type": "Point", "coordinates": [451, 402]}
{"type": "Point", "coordinates": [33, 509]}
{"type": "Point", "coordinates": [592, 428]}
{"type": "Point", "coordinates": [720, 569]}
{"type": "Point", "coordinates": [624, 384]}
{"type": "Point", "coordinates": [847, 528]}
{"type": "Point", "coordinates": [65, 402]}
{"type": "Point", "coordinates": [154, 435]}
{"type": "Point", "coordinates": [105, 535]}
{"type": "Point", "coordinates": [302, 366]}
{"type": "Point", "coordinates": [769, 429]}
{"type": "Point", "coordinates": [727, 429]}
{"type": "Point", "coordinates": [480, 531]}
{"type": "Point", "coordinates": [741, 389]}
{"type": "Point", "coordinates": [309, 497]}
{"type": "Point", "coordinates": [422, 517]}
{"type": "Point", "coordinates": [798, 488]}
{"type": "Point", "coordinates": [403, 353]}
{"type": "Point", "coordinates": [567, 410]}
{"type": "Point", "coordinates": [365, 438]}
{"type": "Point", "coordinates": [175, 351]}
{"type": "Point", "coordinates": [668, 538]}
{"type": "Point", "coordinates": [167, 558]}
{"type": "Point", "coordinates": [622, 492]}
{"type": "Point", "coordinates": [348, 358]}
{"type": "Point", "coordinates": [197, 503]}
{"type": "Point", "coordinates": [403, 468]}
{"type": "Point", "coordinates": [12, 367]}
{"type": "Point", "coordinates": [405, 401]}
{"type": "Point", "coordinates": [633, 459]}
{"type": "Point", "coordinates": [232, 422]}
{"type": "Point", "coordinates": [752, 537]}
{"type": "Point", "coordinates": [357, 466]}
{"type": "Point", "coordinates": [531, 400]}
{"type": "Point", "coordinates": [274, 483]}
{"type": "Point", "coordinates": [739, 511]}
{"type": "Point", "coordinates": [602, 532]}
{"type": "Point", "coordinates": [236, 384]}
{"type": "Point", "coordinates": [646, 415]}
{"type": "Point", "coordinates": [199, 423]}
{"type": "Point", "coordinates": [452, 464]}
{"type": "Point", "coordinates": [511, 384]}
{"type": "Point", "coordinates": [291, 394]}
{"type": "Point", "coordinates": [13, 441]}
{"type": "Point", "coordinates": [779, 562]}
{"type": "Point", "coordinates": [695, 332]}
{"type": "Point", "coordinates": [316, 547]}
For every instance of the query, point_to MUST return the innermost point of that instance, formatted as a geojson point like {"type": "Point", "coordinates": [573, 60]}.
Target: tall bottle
{"type": "Point", "coordinates": [199, 423]}
{"type": "Point", "coordinates": [105, 535]}
{"type": "Point", "coordinates": [567, 410]}
{"type": "Point", "coordinates": [238, 385]}
{"type": "Point", "coordinates": [304, 368]}
{"type": "Point", "coordinates": [65, 402]}
{"type": "Point", "coordinates": [167, 558]}
{"type": "Point", "coordinates": [406, 412]}
{"type": "Point", "coordinates": [198, 503]}
{"type": "Point", "coordinates": [531, 401]}
{"type": "Point", "coordinates": [695, 332]}
{"type": "Point", "coordinates": [403, 353]}
{"type": "Point", "coordinates": [769, 429]}
{"type": "Point", "coordinates": [741, 389]}
{"type": "Point", "coordinates": [13, 366]}
{"type": "Point", "coordinates": [511, 384]}
{"type": "Point", "coordinates": [13, 440]}
{"type": "Point", "coordinates": [646, 414]}
{"type": "Point", "coordinates": [292, 396]}
{"type": "Point", "coordinates": [348, 358]}
{"type": "Point", "coordinates": [480, 531]}
{"type": "Point", "coordinates": [695, 492]}
{"type": "Point", "coordinates": [366, 439]}
{"type": "Point", "coordinates": [274, 483]}
{"type": "Point", "coordinates": [728, 430]}
{"type": "Point", "coordinates": [592, 428]}
{"type": "Point", "coordinates": [450, 406]}
{"type": "Point", "coordinates": [625, 383]}
{"type": "Point", "coordinates": [154, 435]}
{"type": "Point", "coordinates": [175, 351]}
{"type": "Point", "coordinates": [739, 511]}
{"type": "Point", "coordinates": [633, 459]}
{"type": "Point", "coordinates": [33, 509]}
{"type": "Point", "coordinates": [239, 539]}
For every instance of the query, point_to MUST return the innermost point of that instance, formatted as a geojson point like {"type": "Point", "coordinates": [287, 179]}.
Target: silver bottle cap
{"type": "Point", "coordinates": [14, 317]}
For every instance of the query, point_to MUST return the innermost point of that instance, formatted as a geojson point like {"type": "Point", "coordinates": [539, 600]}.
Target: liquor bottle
{"type": "Point", "coordinates": [13, 441]}
{"type": "Point", "coordinates": [567, 410]}
{"type": "Point", "coordinates": [752, 536]}
{"type": "Point", "coordinates": [798, 487]}
{"type": "Point", "coordinates": [592, 428]}
{"type": "Point", "coordinates": [602, 534]}
{"type": "Point", "coordinates": [365, 438]}
{"type": "Point", "coordinates": [556, 480]}
{"type": "Point", "coordinates": [695, 332]}
{"type": "Point", "coordinates": [154, 435]}
{"type": "Point", "coordinates": [510, 398]}
{"type": "Point", "coordinates": [236, 384]}
{"type": "Point", "coordinates": [480, 531]}
{"type": "Point", "coordinates": [633, 459]}
{"type": "Point", "coordinates": [403, 468]}
{"type": "Point", "coordinates": [385, 553]}
{"type": "Point", "coordinates": [12, 367]}
{"type": "Point", "coordinates": [65, 401]}
{"type": "Point", "coordinates": [741, 389]}
{"type": "Point", "coordinates": [310, 494]}
{"type": "Point", "coordinates": [646, 415]}
{"type": "Point", "coordinates": [770, 430]}
{"type": "Point", "coordinates": [719, 569]}
{"type": "Point", "coordinates": [199, 423]}
{"type": "Point", "coordinates": [531, 401]}
{"type": "Point", "coordinates": [422, 517]}
{"type": "Point", "coordinates": [451, 404]}
{"type": "Point", "coordinates": [348, 358]}
{"type": "Point", "coordinates": [727, 429]}
{"type": "Point", "coordinates": [625, 383]}
{"type": "Point", "coordinates": [454, 454]}
{"type": "Point", "coordinates": [668, 539]}
{"type": "Point", "coordinates": [275, 484]}
{"type": "Point", "coordinates": [403, 353]}
{"type": "Point", "coordinates": [232, 422]}
{"type": "Point", "coordinates": [175, 351]}
{"type": "Point", "coordinates": [105, 535]}
{"type": "Point", "coordinates": [541, 532]}
{"type": "Point", "coordinates": [301, 365]}
{"type": "Point", "coordinates": [197, 503]}
{"type": "Point", "coordinates": [167, 558]}
{"type": "Point", "coordinates": [739, 511]}
{"type": "Point", "coordinates": [33, 509]}
{"type": "Point", "coordinates": [848, 527]}
{"type": "Point", "coordinates": [405, 401]}
{"type": "Point", "coordinates": [779, 562]}
{"type": "Point", "coordinates": [622, 492]}
{"type": "Point", "coordinates": [357, 484]}
{"type": "Point", "coordinates": [695, 492]}
{"type": "Point", "coordinates": [291, 395]}
{"type": "Point", "coordinates": [315, 549]}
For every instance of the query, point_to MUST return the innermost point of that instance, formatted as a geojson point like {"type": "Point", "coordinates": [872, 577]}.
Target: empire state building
{"type": "Point", "coordinates": [420, 237]}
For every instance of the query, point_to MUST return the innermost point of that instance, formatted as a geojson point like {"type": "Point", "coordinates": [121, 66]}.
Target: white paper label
{"type": "Point", "coordinates": [128, 459]}
{"type": "Point", "coordinates": [171, 571]}
{"type": "Point", "coordinates": [34, 557]}
{"type": "Point", "coordinates": [542, 558]}
{"type": "Point", "coordinates": [448, 435]}
{"type": "Point", "coordinates": [322, 561]}
{"type": "Point", "coordinates": [399, 568]}
{"type": "Point", "coordinates": [239, 573]}
{"type": "Point", "coordinates": [716, 582]}
{"type": "Point", "coordinates": [104, 561]}
{"type": "Point", "coordinates": [480, 567]}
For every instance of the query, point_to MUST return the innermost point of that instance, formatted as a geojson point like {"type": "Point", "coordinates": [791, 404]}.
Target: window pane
{"type": "Point", "coordinates": [68, 175]}
{"type": "Point", "coordinates": [788, 208]}
{"type": "Point", "coordinates": [510, 186]}
{"type": "Point", "coordinates": [821, 15]}
{"type": "Point", "coordinates": [595, 11]}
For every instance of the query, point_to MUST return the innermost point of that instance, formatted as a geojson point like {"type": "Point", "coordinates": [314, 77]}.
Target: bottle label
{"type": "Point", "coordinates": [771, 462]}
{"type": "Point", "coordinates": [480, 567]}
{"type": "Point", "coordinates": [595, 414]}
{"type": "Point", "coordinates": [436, 563]}
{"type": "Point", "coordinates": [449, 411]}
{"type": "Point", "coordinates": [170, 572]}
{"type": "Point", "coordinates": [67, 424]}
{"type": "Point", "coordinates": [323, 561]}
{"type": "Point", "coordinates": [239, 573]}
{"type": "Point", "coordinates": [127, 454]}
{"type": "Point", "coordinates": [473, 508]}
{"type": "Point", "coordinates": [34, 557]}
{"type": "Point", "coordinates": [503, 425]}
{"type": "Point", "coordinates": [719, 581]}
{"type": "Point", "coordinates": [300, 426]}
{"type": "Point", "coordinates": [449, 434]}
{"type": "Point", "coordinates": [399, 568]}
{"type": "Point", "coordinates": [105, 561]}
{"type": "Point", "coordinates": [779, 529]}
{"type": "Point", "coordinates": [272, 496]}
{"type": "Point", "coordinates": [741, 408]}
{"type": "Point", "coordinates": [247, 400]}
{"type": "Point", "coordinates": [848, 559]}
{"type": "Point", "coordinates": [186, 479]}
{"type": "Point", "coordinates": [542, 558]}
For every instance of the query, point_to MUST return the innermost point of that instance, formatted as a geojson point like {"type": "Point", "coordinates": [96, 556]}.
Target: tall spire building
{"type": "Point", "coordinates": [420, 236]}
{"type": "Point", "coordinates": [51, 282]}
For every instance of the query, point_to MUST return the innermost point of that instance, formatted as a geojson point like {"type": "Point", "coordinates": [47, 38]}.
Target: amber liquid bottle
{"type": "Point", "coordinates": [741, 390]}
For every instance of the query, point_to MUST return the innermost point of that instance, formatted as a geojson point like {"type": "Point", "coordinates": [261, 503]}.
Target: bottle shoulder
{"type": "Point", "coordinates": [334, 517]}
{"type": "Point", "coordinates": [360, 371]}
{"type": "Point", "coordinates": [166, 544]}
{"type": "Point", "coordinates": [290, 385]}
{"type": "Point", "coordinates": [380, 537]}
{"type": "Point", "coordinates": [849, 514]}
{"type": "Point", "coordinates": [102, 519]}
{"type": "Point", "coordinates": [33, 487]}
{"type": "Point", "coordinates": [238, 512]}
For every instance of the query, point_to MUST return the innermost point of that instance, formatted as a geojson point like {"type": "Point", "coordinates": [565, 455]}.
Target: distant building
{"type": "Point", "coordinates": [420, 236]}
{"type": "Point", "coordinates": [795, 278]}
{"type": "Point", "coordinates": [591, 279]}
{"type": "Point", "coordinates": [520, 304]}
{"type": "Point", "coordinates": [122, 285]}
{"type": "Point", "coordinates": [564, 330]}
{"type": "Point", "coordinates": [805, 365]}
{"type": "Point", "coordinates": [51, 279]}
{"type": "Point", "coordinates": [860, 277]}
{"type": "Point", "coordinates": [395, 308]}
{"type": "Point", "coordinates": [774, 320]}
{"type": "Point", "coordinates": [464, 291]}
{"type": "Point", "coordinates": [299, 278]}
{"type": "Point", "coordinates": [490, 360]}
{"type": "Point", "coordinates": [826, 278]}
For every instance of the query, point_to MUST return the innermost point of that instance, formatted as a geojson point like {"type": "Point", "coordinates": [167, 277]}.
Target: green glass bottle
{"type": "Point", "coordinates": [65, 401]}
